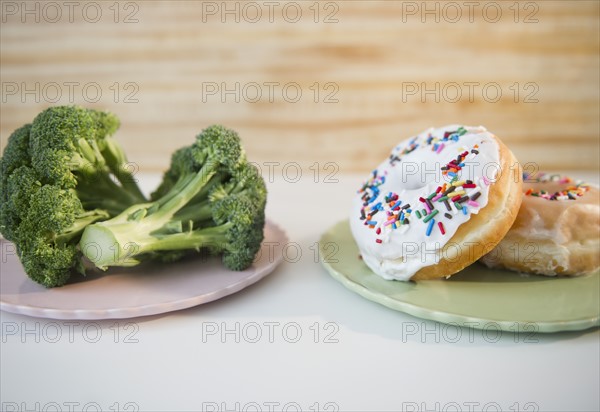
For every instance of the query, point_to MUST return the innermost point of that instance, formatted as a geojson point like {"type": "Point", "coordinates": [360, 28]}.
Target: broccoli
{"type": "Point", "coordinates": [58, 175]}
{"type": "Point", "coordinates": [211, 199]}
{"type": "Point", "coordinates": [71, 147]}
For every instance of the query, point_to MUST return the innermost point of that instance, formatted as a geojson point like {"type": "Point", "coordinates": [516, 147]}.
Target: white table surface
{"type": "Point", "coordinates": [352, 354]}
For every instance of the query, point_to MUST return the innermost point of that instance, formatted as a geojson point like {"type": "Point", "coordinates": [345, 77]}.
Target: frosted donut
{"type": "Point", "coordinates": [439, 202]}
{"type": "Point", "coordinates": [557, 230]}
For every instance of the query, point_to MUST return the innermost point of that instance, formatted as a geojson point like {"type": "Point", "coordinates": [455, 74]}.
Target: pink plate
{"type": "Point", "coordinates": [141, 291]}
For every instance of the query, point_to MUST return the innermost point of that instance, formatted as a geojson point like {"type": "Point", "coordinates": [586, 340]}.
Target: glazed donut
{"type": "Point", "coordinates": [557, 230]}
{"type": "Point", "coordinates": [440, 201]}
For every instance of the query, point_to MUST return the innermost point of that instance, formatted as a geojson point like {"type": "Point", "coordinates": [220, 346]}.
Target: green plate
{"type": "Point", "coordinates": [476, 297]}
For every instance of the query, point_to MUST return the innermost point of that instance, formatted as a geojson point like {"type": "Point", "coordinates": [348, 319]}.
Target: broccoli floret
{"type": "Point", "coordinates": [70, 147]}
{"type": "Point", "coordinates": [50, 231]}
{"type": "Point", "coordinates": [12, 198]}
{"type": "Point", "coordinates": [211, 199]}
{"type": "Point", "coordinates": [58, 176]}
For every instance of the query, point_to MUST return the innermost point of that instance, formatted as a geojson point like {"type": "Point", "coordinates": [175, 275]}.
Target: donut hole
{"type": "Point", "coordinates": [414, 181]}
{"type": "Point", "coordinates": [414, 176]}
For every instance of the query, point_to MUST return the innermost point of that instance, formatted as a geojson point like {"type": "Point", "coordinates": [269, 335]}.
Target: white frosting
{"type": "Point", "coordinates": [405, 250]}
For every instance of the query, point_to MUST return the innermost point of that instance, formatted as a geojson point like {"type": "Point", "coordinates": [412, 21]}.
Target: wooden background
{"type": "Point", "coordinates": [375, 64]}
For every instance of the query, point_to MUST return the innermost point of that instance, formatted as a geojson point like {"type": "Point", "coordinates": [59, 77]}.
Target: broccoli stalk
{"type": "Point", "coordinates": [59, 175]}
{"type": "Point", "coordinates": [210, 198]}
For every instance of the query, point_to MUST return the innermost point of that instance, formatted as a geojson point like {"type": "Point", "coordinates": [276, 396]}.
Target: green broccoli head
{"type": "Point", "coordinates": [44, 237]}
{"type": "Point", "coordinates": [243, 221]}
{"type": "Point", "coordinates": [245, 179]}
{"type": "Point", "coordinates": [15, 158]}
{"type": "Point", "coordinates": [52, 211]}
{"type": "Point", "coordinates": [16, 153]}
{"type": "Point", "coordinates": [63, 140]}
{"type": "Point", "coordinates": [218, 145]}
{"type": "Point", "coordinates": [35, 217]}
{"type": "Point", "coordinates": [106, 123]}
{"type": "Point", "coordinates": [55, 181]}
{"type": "Point", "coordinates": [17, 189]}
{"type": "Point", "coordinates": [210, 199]}
{"type": "Point", "coordinates": [49, 265]}
{"type": "Point", "coordinates": [71, 147]}
{"type": "Point", "coordinates": [215, 148]}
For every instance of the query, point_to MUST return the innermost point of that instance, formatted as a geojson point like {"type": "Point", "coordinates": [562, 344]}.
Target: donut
{"type": "Point", "coordinates": [557, 230]}
{"type": "Point", "coordinates": [440, 201]}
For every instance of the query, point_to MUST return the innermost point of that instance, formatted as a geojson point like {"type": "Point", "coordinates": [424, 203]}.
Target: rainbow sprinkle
{"type": "Point", "coordinates": [441, 226]}
{"type": "Point", "coordinates": [430, 227]}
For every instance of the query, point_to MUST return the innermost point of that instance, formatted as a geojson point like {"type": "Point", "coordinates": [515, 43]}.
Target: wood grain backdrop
{"type": "Point", "coordinates": [528, 71]}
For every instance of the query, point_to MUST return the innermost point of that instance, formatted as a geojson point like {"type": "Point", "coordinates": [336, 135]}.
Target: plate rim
{"type": "Point", "coordinates": [447, 317]}
{"type": "Point", "coordinates": [155, 308]}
